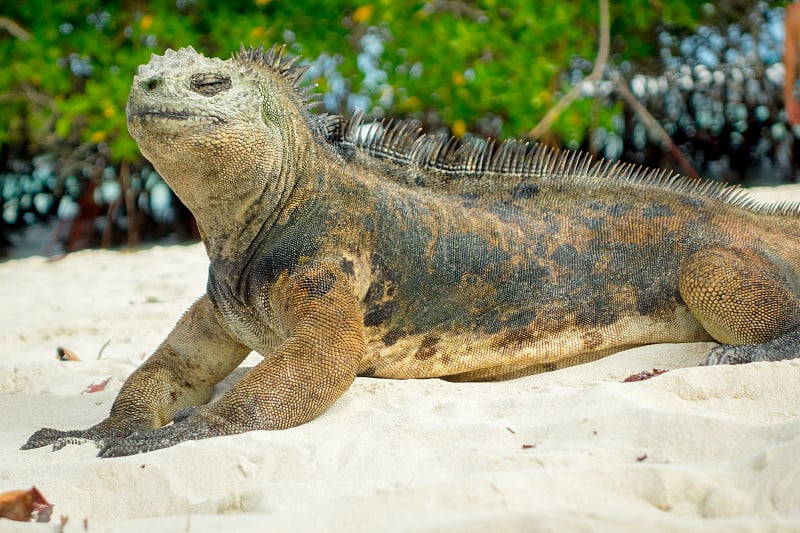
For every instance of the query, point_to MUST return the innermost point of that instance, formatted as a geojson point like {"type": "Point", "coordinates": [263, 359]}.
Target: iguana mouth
{"type": "Point", "coordinates": [171, 114]}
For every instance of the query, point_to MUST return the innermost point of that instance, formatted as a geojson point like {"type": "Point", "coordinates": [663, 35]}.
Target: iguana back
{"type": "Point", "coordinates": [496, 274]}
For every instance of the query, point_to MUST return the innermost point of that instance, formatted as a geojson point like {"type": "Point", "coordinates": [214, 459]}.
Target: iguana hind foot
{"type": "Point", "coordinates": [784, 347]}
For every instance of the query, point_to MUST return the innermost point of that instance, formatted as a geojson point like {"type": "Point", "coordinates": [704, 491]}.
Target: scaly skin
{"type": "Point", "coordinates": [401, 255]}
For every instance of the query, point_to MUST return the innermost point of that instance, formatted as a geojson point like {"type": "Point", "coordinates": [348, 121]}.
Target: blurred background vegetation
{"type": "Point", "coordinates": [709, 73]}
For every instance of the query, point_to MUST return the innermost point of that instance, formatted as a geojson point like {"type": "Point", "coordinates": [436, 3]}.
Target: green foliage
{"type": "Point", "coordinates": [487, 65]}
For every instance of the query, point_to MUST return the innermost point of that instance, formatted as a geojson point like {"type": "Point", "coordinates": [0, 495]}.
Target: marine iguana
{"type": "Point", "coordinates": [340, 250]}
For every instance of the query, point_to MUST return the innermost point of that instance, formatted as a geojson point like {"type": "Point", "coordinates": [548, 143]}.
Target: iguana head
{"type": "Point", "coordinates": [223, 134]}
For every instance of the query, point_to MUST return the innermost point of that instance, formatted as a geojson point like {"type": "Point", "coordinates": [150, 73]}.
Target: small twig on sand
{"type": "Point", "coordinates": [100, 353]}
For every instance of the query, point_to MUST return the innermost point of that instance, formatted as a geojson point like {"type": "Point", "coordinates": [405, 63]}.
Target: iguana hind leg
{"type": "Point", "coordinates": [746, 301]}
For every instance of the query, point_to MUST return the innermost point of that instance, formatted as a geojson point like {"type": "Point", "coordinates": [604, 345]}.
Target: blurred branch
{"type": "Point", "coordinates": [650, 123]}
{"type": "Point", "coordinates": [597, 71]}
{"type": "Point", "coordinates": [456, 7]}
{"type": "Point", "coordinates": [654, 129]}
{"type": "Point", "coordinates": [39, 98]}
{"type": "Point", "coordinates": [130, 205]}
{"type": "Point", "coordinates": [14, 29]}
{"type": "Point", "coordinates": [32, 95]}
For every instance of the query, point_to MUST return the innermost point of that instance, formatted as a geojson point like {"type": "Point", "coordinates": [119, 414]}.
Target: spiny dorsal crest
{"type": "Point", "coordinates": [475, 164]}
{"type": "Point", "coordinates": [443, 158]}
{"type": "Point", "coordinates": [274, 61]}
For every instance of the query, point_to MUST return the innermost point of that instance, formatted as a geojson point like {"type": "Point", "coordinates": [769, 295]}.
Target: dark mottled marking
{"type": "Point", "coordinates": [551, 224]}
{"type": "Point", "coordinates": [523, 287]}
{"type": "Point", "coordinates": [540, 249]}
{"type": "Point", "coordinates": [285, 250]}
{"type": "Point", "coordinates": [650, 269]}
{"type": "Point", "coordinates": [375, 291]}
{"type": "Point", "coordinates": [591, 223]}
{"type": "Point", "coordinates": [697, 203]}
{"type": "Point", "coordinates": [525, 191]}
{"type": "Point", "coordinates": [516, 338]}
{"type": "Point", "coordinates": [658, 296]}
{"type": "Point", "coordinates": [347, 267]}
{"type": "Point", "coordinates": [465, 253]}
{"type": "Point", "coordinates": [657, 210]}
{"type": "Point", "coordinates": [379, 314]}
{"type": "Point", "coordinates": [566, 255]}
{"type": "Point", "coordinates": [519, 318]}
{"type": "Point", "coordinates": [427, 347]}
{"type": "Point", "coordinates": [392, 336]}
{"type": "Point", "coordinates": [597, 312]}
{"type": "Point", "coordinates": [174, 395]}
{"type": "Point", "coordinates": [491, 321]}
{"type": "Point", "coordinates": [618, 209]}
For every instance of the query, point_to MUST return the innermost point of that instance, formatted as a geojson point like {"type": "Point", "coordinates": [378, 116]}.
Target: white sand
{"type": "Point", "coordinates": [719, 446]}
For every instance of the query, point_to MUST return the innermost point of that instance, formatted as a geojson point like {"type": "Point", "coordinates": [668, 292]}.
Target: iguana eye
{"type": "Point", "coordinates": [209, 84]}
{"type": "Point", "coordinates": [152, 84]}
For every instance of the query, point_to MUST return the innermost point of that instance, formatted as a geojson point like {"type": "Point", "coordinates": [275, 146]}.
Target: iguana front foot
{"type": "Point", "coordinates": [109, 429]}
{"type": "Point", "coordinates": [189, 424]}
{"type": "Point", "coordinates": [784, 347]}
{"type": "Point", "coordinates": [57, 438]}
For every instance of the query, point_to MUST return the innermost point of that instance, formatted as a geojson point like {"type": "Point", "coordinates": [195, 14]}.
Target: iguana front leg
{"type": "Point", "coordinates": [182, 372]}
{"type": "Point", "coordinates": [305, 375]}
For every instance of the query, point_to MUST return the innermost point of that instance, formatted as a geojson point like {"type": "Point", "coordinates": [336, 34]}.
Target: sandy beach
{"type": "Point", "coordinates": [694, 449]}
